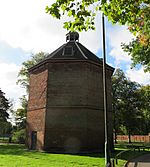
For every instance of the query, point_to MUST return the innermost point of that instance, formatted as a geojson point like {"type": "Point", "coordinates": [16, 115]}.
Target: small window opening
{"type": "Point", "coordinates": [68, 51]}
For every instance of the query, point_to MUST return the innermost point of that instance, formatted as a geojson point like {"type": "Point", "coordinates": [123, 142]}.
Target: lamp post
{"type": "Point", "coordinates": [107, 157]}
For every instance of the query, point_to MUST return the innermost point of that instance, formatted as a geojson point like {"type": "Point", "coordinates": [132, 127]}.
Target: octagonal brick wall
{"type": "Point", "coordinates": [74, 113]}
{"type": "Point", "coordinates": [65, 107]}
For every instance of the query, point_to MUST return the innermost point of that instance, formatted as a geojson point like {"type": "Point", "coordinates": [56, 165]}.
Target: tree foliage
{"type": "Point", "coordinates": [4, 106]}
{"type": "Point", "coordinates": [19, 130]}
{"type": "Point", "coordinates": [20, 114]}
{"type": "Point", "coordinates": [124, 103]}
{"type": "Point", "coordinates": [83, 12]}
{"type": "Point", "coordinates": [144, 98]}
{"type": "Point", "coordinates": [131, 106]}
{"type": "Point", "coordinates": [24, 81]}
{"type": "Point", "coordinates": [131, 113]}
{"type": "Point", "coordinates": [134, 14]}
{"type": "Point", "coordinates": [118, 82]}
{"type": "Point", "coordinates": [139, 48]}
{"type": "Point", "coordinates": [24, 74]}
{"type": "Point", "coordinates": [19, 136]}
{"type": "Point", "coordinates": [6, 126]}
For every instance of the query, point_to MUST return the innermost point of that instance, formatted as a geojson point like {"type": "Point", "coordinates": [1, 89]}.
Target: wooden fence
{"type": "Point", "coordinates": [134, 138]}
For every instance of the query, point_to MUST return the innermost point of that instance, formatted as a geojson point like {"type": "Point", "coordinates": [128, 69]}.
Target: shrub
{"type": "Point", "coordinates": [19, 136]}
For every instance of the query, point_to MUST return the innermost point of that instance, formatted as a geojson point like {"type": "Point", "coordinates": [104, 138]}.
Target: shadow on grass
{"type": "Point", "coordinates": [14, 149]}
{"type": "Point", "coordinates": [20, 149]}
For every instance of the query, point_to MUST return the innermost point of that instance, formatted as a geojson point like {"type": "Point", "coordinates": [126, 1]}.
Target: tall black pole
{"type": "Point", "coordinates": [107, 157]}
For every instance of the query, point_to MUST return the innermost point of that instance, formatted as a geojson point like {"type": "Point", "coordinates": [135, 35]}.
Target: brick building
{"type": "Point", "coordinates": [65, 107]}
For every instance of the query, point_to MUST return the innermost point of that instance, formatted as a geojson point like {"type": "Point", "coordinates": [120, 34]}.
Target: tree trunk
{"type": "Point", "coordinates": [129, 136]}
{"type": "Point", "coordinates": [115, 136]}
{"type": "Point", "coordinates": [115, 131]}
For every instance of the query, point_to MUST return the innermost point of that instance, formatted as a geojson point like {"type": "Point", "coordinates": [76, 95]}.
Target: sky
{"type": "Point", "coordinates": [26, 29]}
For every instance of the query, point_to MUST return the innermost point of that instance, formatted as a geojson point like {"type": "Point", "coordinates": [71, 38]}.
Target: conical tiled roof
{"type": "Point", "coordinates": [72, 50]}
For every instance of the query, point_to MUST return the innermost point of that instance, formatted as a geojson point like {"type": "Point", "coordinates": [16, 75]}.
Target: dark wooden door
{"type": "Point", "coordinates": [33, 140]}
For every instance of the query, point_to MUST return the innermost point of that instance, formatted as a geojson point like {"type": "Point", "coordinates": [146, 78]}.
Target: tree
{"type": "Point", "coordinates": [139, 48]}
{"type": "Point", "coordinates": [126, 104]}
{"type": "Point", "coordinates": [118, 82]}
{"type": "Point", "coordinates": [6, 126]}
{"type": "Point", "coordinates": [20, 114]}
{"type": "Point", "coordinates": [19, 131]}
{"type": "Point", "coordinates": [144, 96]}
{"type": "Point", "coordinates": [134, 14]}
{"type": "Point", "coordinates": [131, 113]}
{"type": "Point", "coordinates": [24, 74]}
{"type": "Point", "coordinates": [131, 106]}
{"type": "Point", "coordinates": [4, 106]}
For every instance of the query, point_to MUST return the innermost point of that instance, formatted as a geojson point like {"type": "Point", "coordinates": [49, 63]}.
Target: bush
{"type": "Point", "coordinates": [4, 139]}
{"type": "Point", "coordinates": [19, 136]}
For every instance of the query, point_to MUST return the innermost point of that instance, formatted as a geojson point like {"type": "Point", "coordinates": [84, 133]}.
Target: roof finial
{"type": "Point", "coordinates": [72, 36]}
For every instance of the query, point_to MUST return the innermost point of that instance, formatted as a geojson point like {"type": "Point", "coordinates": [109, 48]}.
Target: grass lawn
{"type": "Point", "coordinates": [18, 156]}
{"type": "Point", "coordinates": [13, 155]}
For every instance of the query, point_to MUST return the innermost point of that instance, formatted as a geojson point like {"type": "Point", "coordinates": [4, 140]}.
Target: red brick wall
{"type": "Point", "coordinates": [67, 84]}
{"type": "Point", "coordinates": [66, 106]}
{"type": "Point", "coordinates": [38, 90]}
{"type": "Point", "coordinates": [37, 106]}
{"type": "Point", "coordinates": [75, 106]}
{"type": "Point", "coordinates": [134, 138]}
{"type": "Point", "coordinates": [36, 122]}
{"type": "Point", "coordinates": [76, 128]}
{"type": "Point", "coordinates": [77, 84]}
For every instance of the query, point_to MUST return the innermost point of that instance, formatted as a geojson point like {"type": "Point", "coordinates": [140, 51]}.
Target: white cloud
{"type": "Point", "coordinates": [25, 24]}
{"type": "Point", "coordinates": [93, 39]}
{"type": "Point", "coordinates": [116, 36]}
{"type": "Point", "coordinates": [138, 76]}
{"type": "Point", "coordinates": [8, 76]}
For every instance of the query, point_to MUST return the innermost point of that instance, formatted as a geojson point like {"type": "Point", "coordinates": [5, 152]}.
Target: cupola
{"type": "Point", "coordinates": [72, 36]}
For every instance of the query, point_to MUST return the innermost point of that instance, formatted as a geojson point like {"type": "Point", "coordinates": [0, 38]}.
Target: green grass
{"type": "Point", "coordinates": [13, 155]}
{"type": "Point", "coordinates": [18, 156]}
